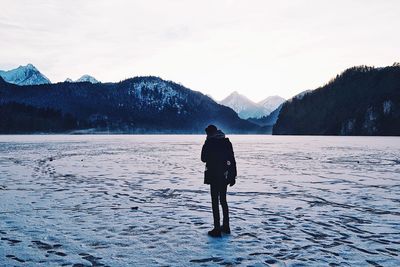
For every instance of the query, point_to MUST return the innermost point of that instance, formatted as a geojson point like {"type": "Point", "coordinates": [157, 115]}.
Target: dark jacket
{"type": "Point", "coordinates": [216, 152]}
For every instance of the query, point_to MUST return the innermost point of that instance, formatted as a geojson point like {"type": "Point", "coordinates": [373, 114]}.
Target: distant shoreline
{"type": "Point", "coordinates": [169, 133]}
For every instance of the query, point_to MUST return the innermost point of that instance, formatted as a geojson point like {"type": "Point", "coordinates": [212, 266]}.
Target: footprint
{"type": "Point", "coordinates": [373, 263]}
{"type": "Point", "coordinates": [42, 245]}
{"type": "Point", "coordinates": [92, 259]}
{"type": "Point", "coordinates": [15, 258]}
{"type": "Point", "coordinates": [213, 259]}
{"type": "Point", "coordinates": [11, 241]}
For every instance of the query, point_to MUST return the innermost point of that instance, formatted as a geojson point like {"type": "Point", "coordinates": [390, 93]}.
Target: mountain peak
{"type": "Point", "coordinates": [246, 108]}
{"type": "Point", "coordinates": [25, 75]}
{"type": "Point", "coordinates": [271, 103]}
{"type": "Point", "coordinates": [235, 95]}
{"type": "Point", "coordinates": [243, 106]}
{"type": "Point", "coordinates": [29, 66]}
{"type": "Point", "coordinates": [87, 78]}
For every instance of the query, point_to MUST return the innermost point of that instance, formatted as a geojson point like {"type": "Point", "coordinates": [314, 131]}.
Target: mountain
{"type": "Point", "coordinates": [136, 105]}
{"type": "Point", "coordinates": [301, 95]}
{"type": "Point", "coordinates": [246, 108]}
{"type": "Point", "coordinates": [360, 101]}
{"type": "Point", "coordinates": [87, 78]}
{"type": "Point", "coordinates": [84, 78]}
{"type": "Point", "coordinates": [24, 75]}
{"type": "Point", "coordinates": [271, 103]}
{"type": "Point", "coordinates": [243, 106]}
{"type": "Point", "coordinates": [270, 119]}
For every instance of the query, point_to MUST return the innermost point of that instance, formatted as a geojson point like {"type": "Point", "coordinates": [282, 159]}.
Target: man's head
{"type": "Point", "coordinates": [211, 129]}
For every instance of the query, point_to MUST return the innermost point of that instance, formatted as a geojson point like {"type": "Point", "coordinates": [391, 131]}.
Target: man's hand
{"type": "Point", "coordinates": [233, 182]}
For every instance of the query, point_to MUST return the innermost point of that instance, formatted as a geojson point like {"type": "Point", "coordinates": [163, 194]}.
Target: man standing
{"type": "Point", "coordinates": [217, 153]}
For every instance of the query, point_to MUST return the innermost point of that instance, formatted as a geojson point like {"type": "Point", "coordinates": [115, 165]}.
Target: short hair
{"type": "Point", "coordinates": [211, 129]}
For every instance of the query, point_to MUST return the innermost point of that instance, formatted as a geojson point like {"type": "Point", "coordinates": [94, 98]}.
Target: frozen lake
{"type": "Point", "coordinates": [140, 201]}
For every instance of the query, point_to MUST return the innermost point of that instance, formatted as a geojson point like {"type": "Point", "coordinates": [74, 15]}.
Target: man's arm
{"type": "Point", "coordinates": [204, 152]}
{"type": "Point", "coordinates": [231, 153]}
{"type": "Point", "coordinates": [233, 170]}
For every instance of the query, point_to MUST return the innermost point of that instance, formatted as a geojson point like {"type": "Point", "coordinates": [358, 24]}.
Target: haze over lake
{"type": "Point", "coordinates": [129, 200]}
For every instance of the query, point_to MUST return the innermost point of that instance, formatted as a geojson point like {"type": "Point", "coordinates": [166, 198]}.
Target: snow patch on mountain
{"type": "Point", "coordinates": [157, 92]}
{"type": "Point", "coordinates": [24, 75]}
{"type": "Point", "coordinates": [271, 103]}
{"type": "Point", "coordinates": [246, 108]}
{"type": "Point", "coordinates": [271, 118]}
{"type": "Point", "coordinates": [87, 78]}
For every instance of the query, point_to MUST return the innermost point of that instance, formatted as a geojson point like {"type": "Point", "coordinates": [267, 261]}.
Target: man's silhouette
{"type": "Point", "coordinates": [217, 153]}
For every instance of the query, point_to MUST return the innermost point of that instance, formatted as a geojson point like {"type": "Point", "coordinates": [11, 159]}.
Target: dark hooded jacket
{"type": "Point", "coordinates": [216, 152]}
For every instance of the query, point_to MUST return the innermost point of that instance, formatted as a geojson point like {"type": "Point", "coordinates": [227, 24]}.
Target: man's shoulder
{"type": "Point", "coordinates": [217, 141]}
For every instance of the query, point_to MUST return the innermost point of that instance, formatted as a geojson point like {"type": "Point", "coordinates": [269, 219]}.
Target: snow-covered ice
{"type": "Point", "coordinates": [140, 201]}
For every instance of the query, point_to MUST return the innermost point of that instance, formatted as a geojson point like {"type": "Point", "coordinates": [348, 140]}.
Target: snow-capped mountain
{"type": "Point", "coordinates": [84, 78]}
{"type": "Point", "coordinates": [271, 118]}
{"type": "Point", "coordinates": [246, 108]}
{"type": "Point", "coordinates": [87, 78]}
{"type": "Point", "coordinates": [243, 106]}
{"type": "Point", "coordinates": [271, 103]}
{"type": "Point", "coordinates": [24, 75]}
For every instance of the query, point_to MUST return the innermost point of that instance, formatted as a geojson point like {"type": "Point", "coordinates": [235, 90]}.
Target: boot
{"type": "Point", "coordinates": [215, 232]}
{"type": "Point", "coordinates": [226, 229]}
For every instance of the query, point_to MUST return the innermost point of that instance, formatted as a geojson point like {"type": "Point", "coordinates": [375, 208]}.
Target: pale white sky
{"type": "Point", "coordinates": [256, 47]}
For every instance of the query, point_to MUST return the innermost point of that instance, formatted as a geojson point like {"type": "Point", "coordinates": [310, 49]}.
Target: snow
{"type": "Point", "coordinates": [240, 104]}
{"type": "Point", "coordinates": [271, 103]}
{"type": "Point", "coordinates": [347, 127]}
{"type": "Point", "coordinates": [166, 94]}
{"type": "Point", "coordinates": [139, 201]}
{"type": "Point", "coordinates": [24, 75]}
{"type": "Point", "coordinates": [87, 78]}
{"type": "Point", "coordinates": [249, 109]}
{"type": "Point", "coordinates": [387, 106]}
{"type": "Point", "coordinates": [370, 121]}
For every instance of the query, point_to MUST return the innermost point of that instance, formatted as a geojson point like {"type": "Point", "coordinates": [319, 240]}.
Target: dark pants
{"type": "Point", "coordinates": [218, 194]}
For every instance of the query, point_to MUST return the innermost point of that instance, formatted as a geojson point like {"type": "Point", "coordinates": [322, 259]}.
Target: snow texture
{"type": "Point", "coordinates": [140, 201]}
{"type": "Point", "coordinates": [87, 78]}
{"type": "Point", "coordinates": [387, 106]}
{"type": "Point", "coordinates": [246, 108]}
{"type": "Point", "coordinates": [271, 103]}
{"type": "Point", "coordinates": [166, 94]}
{"type": "Point", "coordinates": [24, 75]}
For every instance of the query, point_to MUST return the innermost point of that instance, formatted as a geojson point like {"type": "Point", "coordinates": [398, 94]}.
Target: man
{"type": "Point", "coordinates": [217, 153]}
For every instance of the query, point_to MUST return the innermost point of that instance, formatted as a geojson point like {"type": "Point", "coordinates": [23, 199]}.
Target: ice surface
{"type": "Point", "coordinates": [140, 201]}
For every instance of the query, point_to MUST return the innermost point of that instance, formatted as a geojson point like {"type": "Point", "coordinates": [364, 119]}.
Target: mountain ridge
{"type": "Point", "coordinates": [146, 104]}
{"type": "Point", "coordinates": [247, 108]}
{"type": "Point", "coordinates": [83, 78]}
{"type": "Point", "coordinates": [361, 100]}
{"type": "Point", "coordinates": [24, 75]}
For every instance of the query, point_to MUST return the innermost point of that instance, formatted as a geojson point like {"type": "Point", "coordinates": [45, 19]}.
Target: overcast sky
{"type": "Point", "coordinates": [258, 48]}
